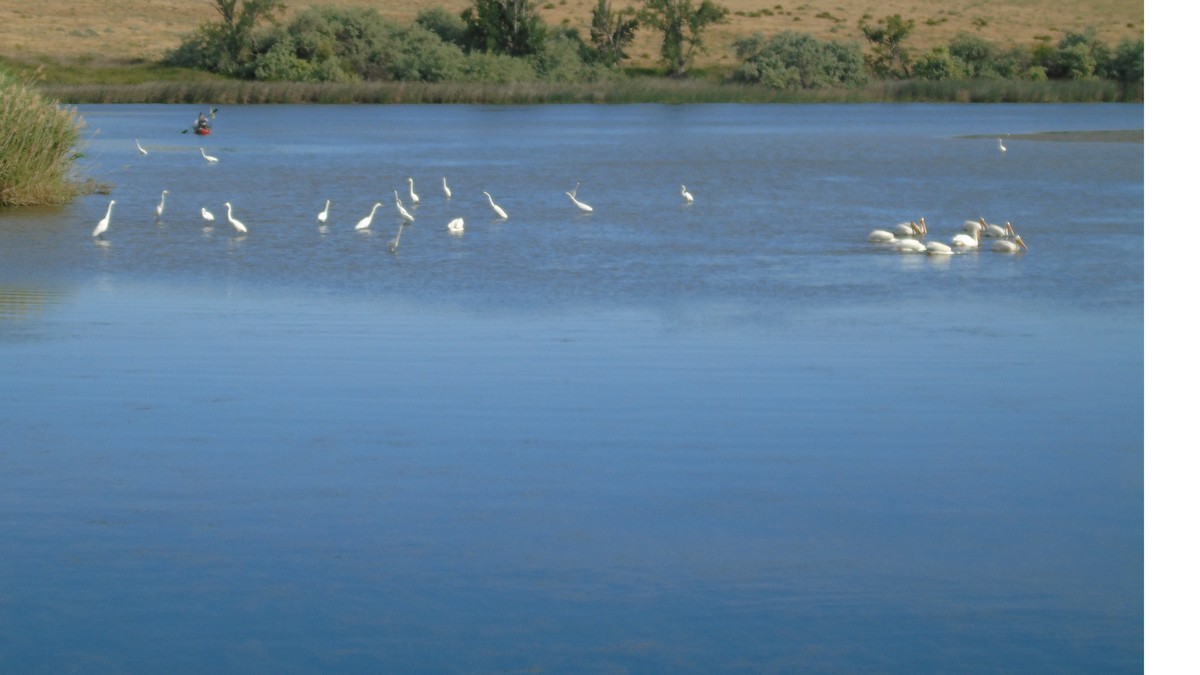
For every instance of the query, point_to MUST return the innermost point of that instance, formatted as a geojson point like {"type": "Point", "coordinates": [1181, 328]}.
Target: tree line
{"type": "Point", "coordinates": [506, 41]}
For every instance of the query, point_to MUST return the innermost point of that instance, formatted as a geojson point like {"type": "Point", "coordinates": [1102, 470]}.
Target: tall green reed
{"type": "Point", "coordinates": [37, 147]}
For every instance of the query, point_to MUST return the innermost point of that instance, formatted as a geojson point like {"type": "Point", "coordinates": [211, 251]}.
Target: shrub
{"type": "Point", "coordinates": [37, 141]}
{"type": "Point", "coordinates": [790, 60]}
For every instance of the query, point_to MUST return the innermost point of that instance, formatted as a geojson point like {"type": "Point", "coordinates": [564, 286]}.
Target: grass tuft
{"type": "Point", "coordinates": [37, 147]}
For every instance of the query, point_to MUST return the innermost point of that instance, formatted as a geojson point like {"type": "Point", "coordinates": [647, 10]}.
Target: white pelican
{"type": "Point", "coordinates": [210, 158]}
{"type": "Point", "coordinates": [1000, 144]}
{"type": "Point", "coordinates": [412, 194]}
{"type": "Point", "coordinates": [445, 188]}
{"type": "Point", "coordinates": [687, 196]}
{"type": "Point", "coordinates": [401, 210]}
{"type": "Point", "coordinates": [973, 225]}
{"type": "Point", "coordinates": [162, 203]}
{"type": "Point", "coordinates": [938, 248]}
{"type": "Point", "coordinates": [324, 215]}
{"type": "Point", "coordinates": [102, 226]}
{"type": "Point", "coordinates": [366, 222]}
{"type": "Point", "coordinates": [237, 224]}
{"type": "Point", "coordinates": [582, 207]}
{"type": "Point", "coordinates": [139, 147]}
{"type": "Point", "coordinates": [881, 236]}
{"type": "Point", "coordinates": [455, 226]}
{"type": "Point", "coordinates": [911, 229]}
{"type": "Point", "coordinates": [207, 215]}
{"type": "Point", "coordinates": [907, 245]}
{"type": "Point", "coordinates": [994, 231]}
{"type": "Point", "coordinates": [1013, 246]}
{"type": "Point", "coordinates": [970, 240]}
{"type": "Point", "coordinates": [496, 207]}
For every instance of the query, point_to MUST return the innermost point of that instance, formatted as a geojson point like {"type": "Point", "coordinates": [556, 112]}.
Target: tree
{"type": "Point", "coordinates": [682, 25]}
{"type": "Point", "coordinates": [612, 31]}
{"type": "Point", "coordinates": [888, 58]}
{"type": "Point", "coordinates": [235, 32]}
{"type": "Point", "coordinates": [790, 60]}
{"type": "Point", "coordinates": [510, 27]}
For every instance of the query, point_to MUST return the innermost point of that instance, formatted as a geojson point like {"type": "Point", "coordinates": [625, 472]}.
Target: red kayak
{"type": "Point", "coordinates": [202, 131]}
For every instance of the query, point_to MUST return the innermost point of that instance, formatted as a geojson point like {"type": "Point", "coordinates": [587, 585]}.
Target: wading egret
{"type": "Point", "coordinates": [237, 224]}
{"type": "Point", "coordinates": [162, 204]}
{"type": "Point", "coordinates": [687, 196]}
{"type": "Point", "coordinates": [445, 188]}
{"type": "Point", "coordinates": [323, 215]}
{"type": "Point", "coordinates": [206, 214]}
{"type": "Point", "coordinates": [102, 226]}
{"type": "Point", "coordinates": [412, 194]}
{"type": "Point", "coordinates": [496, 207]}
{"type": "Point", "coordinates": [139, 147]}
{"type": "Point", "coordinates": [366, 222]}
{"type": "Point", "coordinates": [401, 210]}
{"type": "Point", "coordinates": [210, 158]}
{"type": "Point", "coordinates": [1000, 144]}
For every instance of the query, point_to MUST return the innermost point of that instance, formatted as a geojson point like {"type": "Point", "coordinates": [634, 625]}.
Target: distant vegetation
{"type": "Point", "coordinates": [505, 42]}
{"type": "Point", "coordinates": [37, 146]}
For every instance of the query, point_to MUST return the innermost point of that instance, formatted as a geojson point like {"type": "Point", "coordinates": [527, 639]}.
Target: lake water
{"type": "Point", "coordinates": [730, 436]}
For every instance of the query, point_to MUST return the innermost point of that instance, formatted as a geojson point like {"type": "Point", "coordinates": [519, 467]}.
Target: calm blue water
{"type": "Point", "coordinates": [730, 436]}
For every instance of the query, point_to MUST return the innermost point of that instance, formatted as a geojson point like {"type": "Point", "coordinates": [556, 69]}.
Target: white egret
{"type": "Point", "coordinates": [1013, 246]}
{"type": "Point", "coordinates": [937, 248]}
{"type": "Point", "coordinates": [162, 204]}
{"type": "Point", "coordinates": [237, 224]}
{"type": "Point", "coordinates": [966, 240]}
{"type": "Point", "coordinates": [456, 226]}
{"type": "Point", "coordinates": [881, 236]}
{"type": "Point", "coordinates": [496, 207]}
{"type": "Point", "coordinates": [412, 194]}
{"type": "Point", "coordinates": [366, 222]}
{"type": "Point", "coordinates": [687, 196]}
{"type": "Point", "coordinates": [396, 242]}
{"type": "Point", "coordinates": [102, 226]}
{"type": "Point", "coordinates": [1000, 144]}
{"type": "Point", "coordinates": [445, 188]}
{"type": "Point", "coordinates": [908, 245]}
{"type": "Point", "coordinates": [210, 158]}
{"type": "Point", "coordinates": [582, 207]}
{"type": "Point", "coordinates": [323, 215]}
{"type": "Point", "coordinates": [400, 208]}
{"type": "Point", "coordinates": [207, 215]}
{"type": "Point", "coordinates": [139, 147]}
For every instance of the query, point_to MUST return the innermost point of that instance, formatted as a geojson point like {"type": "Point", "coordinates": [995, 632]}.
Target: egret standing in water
{"type": "Point", "coordinates": [366, 222]}
{"type": "Point", "coordinates": [162, 203]}
{"type": "Point", "coordinates": [207, 215]}
{"type": "Point", "coordinates": [1000, 144]}
{"type": "Point", "coordinates": [237, 224]}
{"type": "Point", "coordinates": [687, 196]}
{"type": "Point", "coordinates": [412, 194]}
{"type": "Point", "coordinates": [445, 188]}
{"type": "Point", "coordinates": [139, 147]}
{"type": "Point", "coordinates": [496, 207]}
{"type": "Point", "coordinates": [210, 158]}
{"type": "Point", "coordinates": [323, 215]}
{"type": "Point", "coordinates": [102, 226]}
{"type": "Point", "coordinates": [400, 208]}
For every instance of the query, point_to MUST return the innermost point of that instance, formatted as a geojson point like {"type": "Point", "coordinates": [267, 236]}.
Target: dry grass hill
{"type": "Point", "coordinates": [115, 31]}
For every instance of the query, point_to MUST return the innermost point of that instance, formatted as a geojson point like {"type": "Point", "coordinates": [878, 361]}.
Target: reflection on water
{"type": "Point", "coordinates": [659, 437]}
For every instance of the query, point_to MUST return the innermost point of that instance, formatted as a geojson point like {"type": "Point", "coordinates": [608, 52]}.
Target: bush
{"type": "Point", "coordinates": [37, 141]}
{"type": "Point", "coordinates": [790, 60]}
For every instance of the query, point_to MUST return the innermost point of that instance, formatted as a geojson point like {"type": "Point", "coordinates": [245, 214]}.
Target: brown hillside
{"type": "Point", "coordinates": [102, 31]}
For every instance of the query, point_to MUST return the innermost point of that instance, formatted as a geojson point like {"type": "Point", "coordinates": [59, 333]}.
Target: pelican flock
{"type": "Point", "coordinates": [906, 238]}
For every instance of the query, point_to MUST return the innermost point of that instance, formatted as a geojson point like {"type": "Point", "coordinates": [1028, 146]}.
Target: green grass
{"type": "Point", "coordinates": [37, 147]}
{"type": "Point", "coordinates": [635, 89]}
